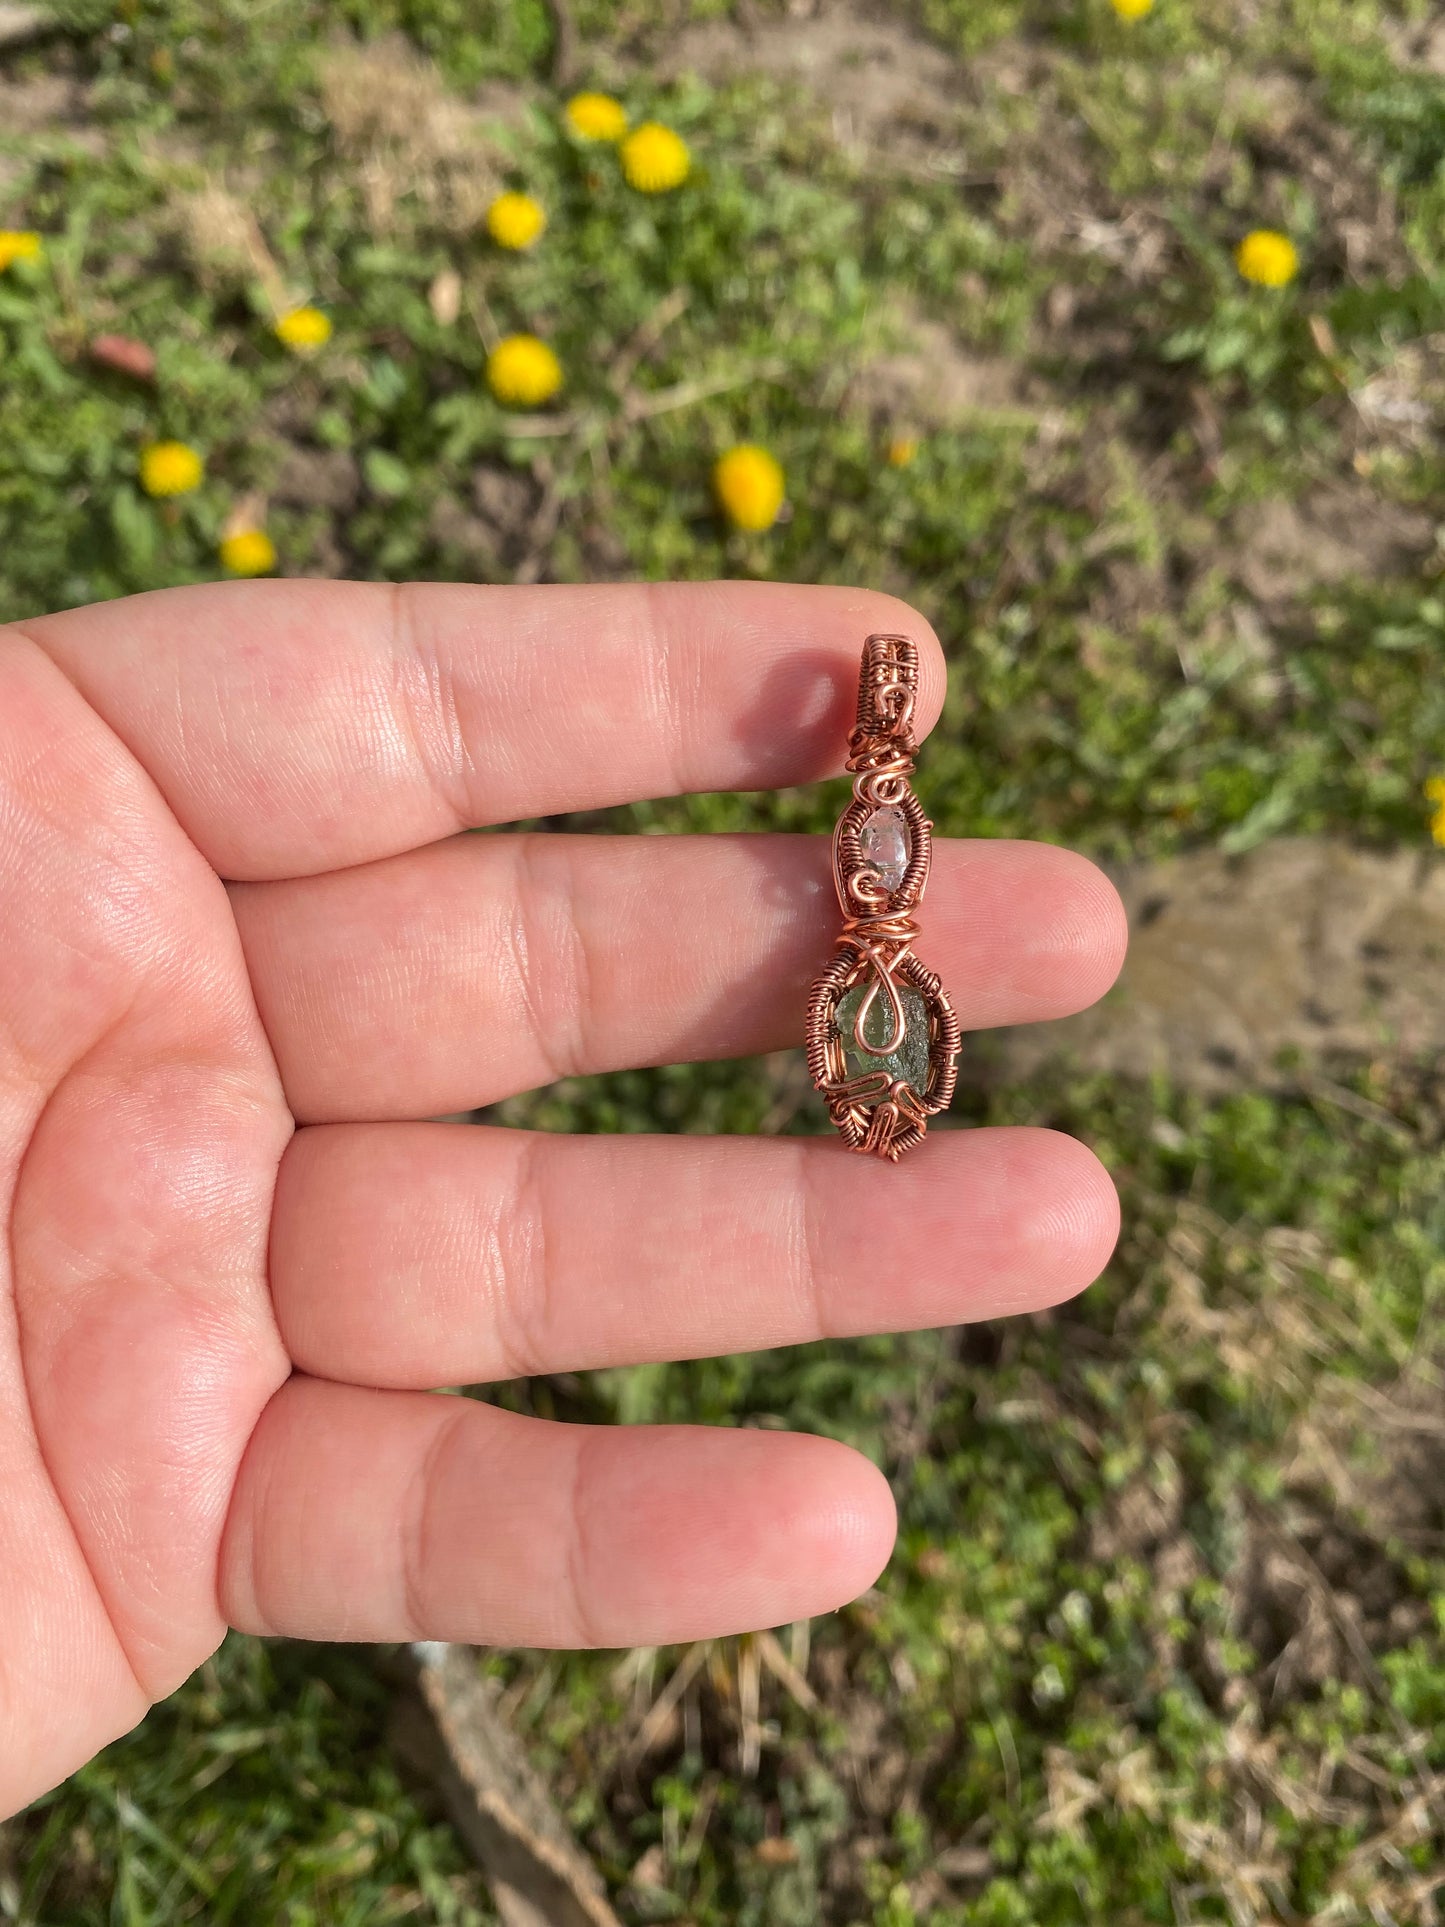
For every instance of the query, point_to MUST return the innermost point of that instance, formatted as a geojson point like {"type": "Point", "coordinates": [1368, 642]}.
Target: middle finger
{"type": "Point", "coordinates": [452, 976]}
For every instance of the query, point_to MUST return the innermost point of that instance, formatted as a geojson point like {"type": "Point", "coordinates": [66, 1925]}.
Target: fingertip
{"type": "Point", "coordinates": [1036, 931]}
{"type": "Point", "coordinates": [1004, 1221]}
{"type": "Point", "coordinates": [846, 1515]}
{"type": "Point", "coordinates": [1076, 1226]}
{"type": "Point", "coordinates": [807, 691]}
{"type": "Point", "coordinates": [1092, 927]}
{"type": "Point", "coordinates": [695, 1534]}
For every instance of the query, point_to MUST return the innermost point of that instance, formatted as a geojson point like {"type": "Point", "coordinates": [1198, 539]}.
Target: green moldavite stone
{"type": "Point", "coordinates": [910, 1061]}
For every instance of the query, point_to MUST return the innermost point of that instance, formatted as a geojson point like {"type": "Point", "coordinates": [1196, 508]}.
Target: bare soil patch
{"type": "Point", "coordinates": [318, 478]}
{"type": "Point", "coordinates": [1333, 534]}
{"type": "Point", "coordinates": [886, 85]}
{"type": "Point", "coordinates": [1243, 969]}
{"type": "Point", "coordinates": [940, 381]}
{"type": "Point", "coordinates": [40, 106]}
{"type": "Point", "coordinates": [1419, 44]}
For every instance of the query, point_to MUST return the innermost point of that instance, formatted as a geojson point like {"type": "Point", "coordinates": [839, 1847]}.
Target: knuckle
{"type": "Point", "coordinates": [523, 1291]}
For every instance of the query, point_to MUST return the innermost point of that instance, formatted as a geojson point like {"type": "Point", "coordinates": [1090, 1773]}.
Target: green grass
{"type": "Point", "coordinates": [1082, 1613]}
{"type": "Point", "coordinates": [1163, 1641]}
{"type": "Point", "coordinates": [1068, 550]}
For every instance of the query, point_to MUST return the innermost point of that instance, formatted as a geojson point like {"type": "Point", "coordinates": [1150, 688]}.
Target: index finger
{"type": "Point", "coordinates": [296, 727]}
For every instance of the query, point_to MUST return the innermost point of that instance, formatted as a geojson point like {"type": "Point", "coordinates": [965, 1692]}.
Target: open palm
{"type": "Point", "coordinates": [244, 954]}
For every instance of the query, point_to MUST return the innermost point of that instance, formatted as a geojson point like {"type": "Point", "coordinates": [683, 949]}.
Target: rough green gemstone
{"type": "Point", "coordinates": [910, 1060]}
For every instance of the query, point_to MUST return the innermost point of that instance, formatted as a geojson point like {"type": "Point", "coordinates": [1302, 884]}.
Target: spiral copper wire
{"type": "Point", "coordinates": [874, 1111]}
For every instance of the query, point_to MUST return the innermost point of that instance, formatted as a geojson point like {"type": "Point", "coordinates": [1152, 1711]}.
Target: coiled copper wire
{"type": "Point", "coordinates": [874, 1111]}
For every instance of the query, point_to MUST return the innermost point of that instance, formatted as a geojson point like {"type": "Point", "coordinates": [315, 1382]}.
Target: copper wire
{"type": "Point", "coordinates": [875, 1111]}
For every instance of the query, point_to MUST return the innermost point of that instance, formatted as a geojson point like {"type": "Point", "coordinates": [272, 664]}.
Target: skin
{"type": "Point", "coordinates": [244, 955]}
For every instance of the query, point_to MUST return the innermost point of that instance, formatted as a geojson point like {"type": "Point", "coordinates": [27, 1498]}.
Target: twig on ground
{"type": "Point", "coordinates": [539, 535]}
{"type": "Point", "coordinates": [538, 1874]}
{"type": "Point", "coordinates": [683, 394]}
{"type": "Point", "coordinates": [656, 1723]}
{"type": "Point", "coordinates": [564, 43]}
{"type": "Point", "coordinates": [544, 427]}
{"type": "Point", "coordinates": [1324, 1090]}
{"type": "Point", "coordinates": [645, 338]}
{"type": "Point", "coordinates": [788, 1676]}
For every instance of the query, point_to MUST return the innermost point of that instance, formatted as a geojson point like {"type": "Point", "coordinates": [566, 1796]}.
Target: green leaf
{"type": "Point", "coordinates": [134, 523]}
{"type": "Point", "coordinates": [385, 474]}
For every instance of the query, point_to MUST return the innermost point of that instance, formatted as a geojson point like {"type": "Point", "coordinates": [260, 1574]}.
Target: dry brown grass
{"type": "Point", "coordinates": [224, 242]}
{"type": "Point", "coordinates": [411, 140]}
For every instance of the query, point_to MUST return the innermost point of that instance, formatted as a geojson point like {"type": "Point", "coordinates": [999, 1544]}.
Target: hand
{"type": "Point", "coordinates": [243, 953]}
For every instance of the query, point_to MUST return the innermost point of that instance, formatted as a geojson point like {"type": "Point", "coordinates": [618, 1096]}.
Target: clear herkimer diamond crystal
{"type": "Point", "coordinates": [884, 843]}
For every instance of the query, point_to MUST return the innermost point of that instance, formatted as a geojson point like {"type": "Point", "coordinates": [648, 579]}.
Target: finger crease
{"type": "Point", "coordinates": [808, 1244]}
{"type": "Point", "coordinates": [578, 1560]}
{"type": "Point", "coordinates": [418, 1524]}
{"type": "Point", "coordinates": [528, 957]}
{"type": "Point", "coordinates": [673, 716]}
{"type": "Point", "coordinates": [582, 989]}
{"type": "Point", "coordinates": [525, 1285]}
{"type": "Point", "coordinates": [428, 707]}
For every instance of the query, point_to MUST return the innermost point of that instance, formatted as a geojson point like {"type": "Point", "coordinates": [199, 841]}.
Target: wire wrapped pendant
{"type": "Point", "coordinates": [882, 1037]}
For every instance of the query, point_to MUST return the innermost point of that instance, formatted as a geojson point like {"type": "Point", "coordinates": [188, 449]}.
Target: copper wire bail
{"type": "Point", "coordinates": [877, 1105]}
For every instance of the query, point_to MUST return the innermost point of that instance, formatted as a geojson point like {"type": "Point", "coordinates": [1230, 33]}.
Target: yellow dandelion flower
{"type": "Point", "coordinates": [654, 159]}
{"type": "Point", "coordinates": [1132, 9]}
{"type": "Point", "coordinates": [515, 220]}
{"type": "Point", "coordinates": [902, 450]}
{"type": "Point", "coordinates": [18, 244]}
{"type": "Point", "coordinates": [523, 372]}
{"type": "Point", "coordinates": [596, 117]}
{"type": "Point", "coordinates": [170, 468]}
{"type": "Point", "coordinates": [1435, 793]}
{"type": "Point", "coordinates": [749, 484]}
{"type": "Point", "coordinates": [1266, 258]}
{"type": "Point", "coordinates": [304, 330]}
{"type": "Point", "coordinates": [248, 552]}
